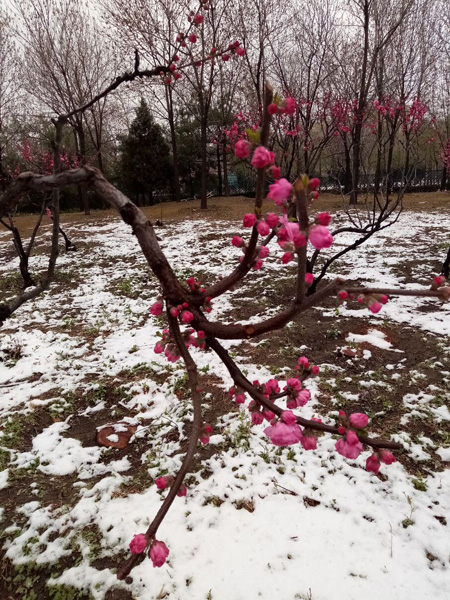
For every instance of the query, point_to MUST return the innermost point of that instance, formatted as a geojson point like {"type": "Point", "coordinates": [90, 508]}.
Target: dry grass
{"type": "Point", "coordinates": [228, 208]}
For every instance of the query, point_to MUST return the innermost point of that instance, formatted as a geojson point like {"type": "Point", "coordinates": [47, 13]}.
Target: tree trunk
{"type": "Point", "coordinates": [348, 170]}
{"type": "Point", "coordinates": [444, 178]}
{"type": "Point", "coordinates": [356, 161]}
{"type": "Point", "coordinates": [219, 171]}
{"type": "Point", "coordinates": [446, 266]}
{"type": "Point", "coordinates": [204, 188]}
{"type": "Point", "coordinates": [226, 187]}
{"type": "Point", "coordinates": [83, 190]}
{"type": "Point", "coordinates": [173, 143]}
{"type": "Point", "coordinates": [23, 258]}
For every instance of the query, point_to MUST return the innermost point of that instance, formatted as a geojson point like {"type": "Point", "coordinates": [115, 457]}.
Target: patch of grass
{"type": "Point", "coordinates": [5, 459]}
{"type": "Point", "coordinates": [12, 352]}
{"type": "Point", "coordinates": [419, 484]}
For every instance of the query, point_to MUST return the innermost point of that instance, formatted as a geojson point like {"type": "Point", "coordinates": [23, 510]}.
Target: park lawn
{"type": "Point", "coordinates": [258, 521]}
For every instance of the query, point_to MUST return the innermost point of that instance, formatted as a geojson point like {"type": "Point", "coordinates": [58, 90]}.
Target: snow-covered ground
{"type": "Point", "coordinates": [257, 522]}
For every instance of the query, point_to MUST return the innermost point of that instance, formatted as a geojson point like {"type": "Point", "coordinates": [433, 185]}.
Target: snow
{"type": "Point", "coordinates": [373, 337]}
{"type": "Point", "coordinates": [264, 540]}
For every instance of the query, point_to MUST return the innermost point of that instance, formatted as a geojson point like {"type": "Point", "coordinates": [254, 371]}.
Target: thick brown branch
{"type": "Point", "coordinates": [393, 292]}
{"type": "Point", "coordinates": [191, 369]}
{"type": "Point", "coordinates": [249, 330]}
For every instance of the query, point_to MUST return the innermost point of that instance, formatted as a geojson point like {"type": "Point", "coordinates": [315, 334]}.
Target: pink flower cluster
{"type": "Point", "coordinates": [158, 550]}
{"type": "Point", "coordinates": [167, 347]}
{"type": "Point", "coordinates": [206, 433]}
{"type": "Point", "coordinates": [158, 553]}
{"type": "Point", "coordinates": [262, 158]}
{"type": "Point", "coordinates": [289, 238]}
{"type": "Point", "coordinates": [237, 394]}
{"type": "Point", "coordinates": [165, 482]}
{"type": "Point", "coordinates": [280, 192]}
{"type": "Point", "coordinates": [288, 107]}
{"type": "Point", "coordinates": [374, 302]}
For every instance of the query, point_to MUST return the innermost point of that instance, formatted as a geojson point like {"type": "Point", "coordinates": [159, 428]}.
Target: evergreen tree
{"type": "Point", "coordinates": [146, 164]}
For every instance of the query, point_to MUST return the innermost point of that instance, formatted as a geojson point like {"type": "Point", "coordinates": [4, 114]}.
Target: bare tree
{"type": "Point", "coordinates": [10, 93]}
{"type": "Point", "coordinates": [65, 65]}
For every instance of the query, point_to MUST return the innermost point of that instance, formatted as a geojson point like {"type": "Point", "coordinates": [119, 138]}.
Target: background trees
{"type": "Point", "coordinates": [145, 162]}
{"type": "Point", "coordinates": [370, 80]}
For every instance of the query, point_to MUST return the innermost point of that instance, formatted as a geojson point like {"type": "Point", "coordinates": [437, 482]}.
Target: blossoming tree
{"type": "Point", "coordinates": [188, 305]}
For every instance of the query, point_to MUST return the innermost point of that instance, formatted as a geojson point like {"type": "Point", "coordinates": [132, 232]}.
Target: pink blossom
{"type": "Point", "coordinates": [294, 383]}
{"type": "Point", "coordinates": [309, 442]}
{"type": "Point", "coordinates": [303, 397]}
{"type": "Point", "coordinates": [263, 228]}
{"type": "Point", "coordinates": [192, 38]}
{"type": "Point", "coordinates": [159, 348]}
{"type": "Point", "coordinates": [258, 265]}
{"type": "Point", "coordinates": [350, 447]}
{"type": "Point", "coordinates": [383, 299]}
{"type": "Point", "coordinates": [272, 109]}
{"type": "Point", "coordinates": [300, 240]}
{"type": "Point", "coordinates": [138, 544]}
{"type": "Point", "coordinates": [359, 420]}
{"type": "Point", "coordinates": [225, 57]}
{"type": "Point", "coordinates": [280, 190]}
{"type": "Point", "coordinates": [291, 403]}
{"type": "Point", "coordinates": [240, 51]}
{"type": "Point", "coordinates": [290, 105]}
{"type": "Point", "coordinates": [309, 278]}
{"type": "Point", "coordinates": [315, 370]}
{"type": "Point", "coordinates": [161, 483]}
{"type": "Point", "coordinates": [287, 257]}
{"type": "Point", "coordinates": [387, 457]}
{"type": "Point", "coordinates": [343, 295]}
{"type": "Point", "coordinates": [249, 220]}
{"type": "Point", "coordinates": [156, 309]}
{"type": "Point", "coordinates": [187, 316]}
{"type": "Point", "coordinates": [242, 149]}
{"type": "Point", "coordinates": [320, 237]}
{"type": "Point", "coordinates": [172, 67]}
{"type": "Point", "coordinates": [257, 417]}
{"type": "Point", "coordinates": [205, 435]}
{"type": "Point", "coordinates": [158, 553]}
{"type": "Point", "coordinates": [198, 19]}
{"type": "Point", "coordinates": [438, 281]}
{"type": "Point", "coordinates": [262, 157]}
{"type": "Point", "coordinates": [288, 232]}
{"type": "Point", "coordinates": [268, 414]}
{"type": "Point", "coordinates": [240, 398]}
{"type": "Point", "coordinates": [271, 387]}
{"type": "Point", "coordinates": [182, 491]}
{"type": "Point", "coordinates": [314, 184]}
{"type": "Point", "coordinates": [373, 463]}
{"type": "Point", "coordinates": [288, 417]}
{"type": "Point", "coordinates": [237, 241]}
{"type": "Point", "coordinates": [323, 219]}
{"type": "Point", "coordinates": [375, 307]}
{"type": "Point", "coordinates": [282, 434]}
{"type": "Point", "coordinates": [174, 312]}
{"type": "Point", "coordinates": [276, 172]}
{"type": "Point", "coordinates": [272, 220]}
{"type": "Point", "coordinates": [264, 252]}
{"type": "Point", "coordinates": [303, 362]}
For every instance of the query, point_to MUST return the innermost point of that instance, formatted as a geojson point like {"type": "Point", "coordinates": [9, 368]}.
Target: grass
{"type": "Point", "coordinates": [221, 208]}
